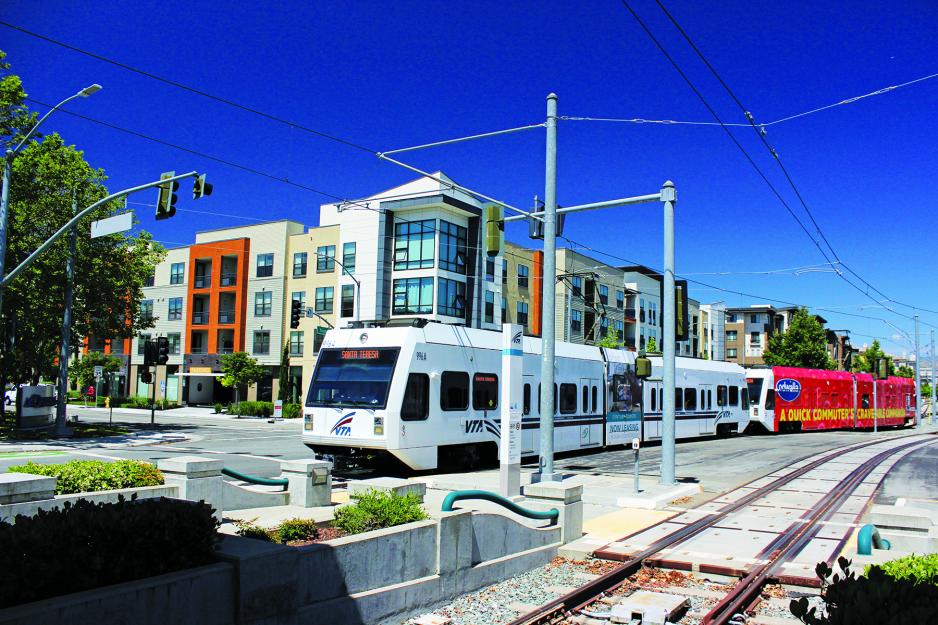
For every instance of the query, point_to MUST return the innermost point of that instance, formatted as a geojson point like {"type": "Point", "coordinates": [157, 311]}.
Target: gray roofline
{"type": "Point", "coordinates": [260, 223]}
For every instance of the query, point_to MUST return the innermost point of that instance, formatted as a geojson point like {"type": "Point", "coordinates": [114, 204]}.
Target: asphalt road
{"type": "Point", "coordinates": [255, 446]}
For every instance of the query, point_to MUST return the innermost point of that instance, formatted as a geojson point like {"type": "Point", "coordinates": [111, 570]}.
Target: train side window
{"type": "Point", "coordinates": [690, 399]}
{"type": "Point", "coordinates": [556, 407]}
{"type": "Point", "coordinates": [538, 399]}
{"type": "Point", "coordinates": [567, 398]}
{"type": "Point", "coordinates": [734, 396]}
{"type": "Point", "coordinates": [527, 399]}
{"type": "Point", "coordinates": [678, 399]}
{"type": "Point", "coordinates": [661, 399]}
{"type": "Point", "coordinates": [865, 401]}
{"type": "Point", "coordinates": [721, 395]}
{"type": "Point", "coordinates": [454, 390]}
{"type": "Point", "coordinates": [484, 391]}
{"type": "Point", "coordinates": [416, 404]}
{"type": "Point", "coordinates": [709, 399]}
{"type": "Point", "coordinates": [586, 399]}
{"type": "Point", "coordinates": [703, 399]}
{"type": "Point", "coordinates": [744, 396]}
{"type": "Point", "coordinates": [595, 400]}
{"type": "Point", "coordinates": [770, 399]}
{"type": "Point", "coordinates": [654, 398]}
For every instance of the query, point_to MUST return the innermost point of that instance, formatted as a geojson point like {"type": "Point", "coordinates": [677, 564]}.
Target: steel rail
{"type": "Point", "coordinates": [747, 591]}
{"type": "Point", "coordinates": [578, 599]}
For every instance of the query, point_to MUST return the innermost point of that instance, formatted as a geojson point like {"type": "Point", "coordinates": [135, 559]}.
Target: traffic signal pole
{"type": "Point", "coordinates": [61, 407]}
{"type": "Point", "coordinates": [918, 380]}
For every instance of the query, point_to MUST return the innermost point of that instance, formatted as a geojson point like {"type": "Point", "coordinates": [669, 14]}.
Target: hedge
{"type": "Point", "coordinates": [85, 476]}
{"type": "Point", "coordinates": [374, 510]}
{"type": "Point", "coordinates": [87, 545]}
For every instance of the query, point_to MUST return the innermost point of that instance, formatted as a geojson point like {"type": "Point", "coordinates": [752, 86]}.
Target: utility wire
{"type": "Point", "coordinates": [184, 87]}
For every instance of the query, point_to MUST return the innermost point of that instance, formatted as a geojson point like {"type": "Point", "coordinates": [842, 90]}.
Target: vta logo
{"type": "Point", "coordinates": [516, 339]}
{"type": "Point", "coordinates": [343, 427]}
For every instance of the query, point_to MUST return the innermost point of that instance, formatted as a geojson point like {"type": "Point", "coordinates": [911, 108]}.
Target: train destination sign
{"type": "Point", "coordinates": [360, 354]}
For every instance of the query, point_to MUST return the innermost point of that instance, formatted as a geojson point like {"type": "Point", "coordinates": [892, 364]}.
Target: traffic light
{"type": "Point", "coordinates": [494, 228]}
{"type": "Point", "coordinates": [166, 202]}
{"type": "Point", "coordinates": [295, 314]}
{"type": "Point", "coordinates": [149, 353]}
{"type": "Point", "coordinates": [162, 350]}
{"type": "Point", "coordinates": [146, 377]}
{"type": "Point", "coordinates": [201, 188]}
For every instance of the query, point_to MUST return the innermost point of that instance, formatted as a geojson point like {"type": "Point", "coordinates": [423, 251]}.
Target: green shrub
{"type": "Point", "coordinates": [219, 408]}
{"type": "Point", "coordinates": [875, 598]}
{"type": "Point", "coordinates": [249, 530]}
{"type": "Point", "coordinates": [296, 529]}
{"type": "Point", "coordinates": [87, 545]}
{"type": "Point", "coordinates": [919, 569]}
{"type": "Point", "coordinates": [292, 411]}
{"type": "Point", "coordinates": [252, 409]}
{"type": "Point", "coordinates": [85, 476]}
{"type": "Point", "coordinates": [379, 509]}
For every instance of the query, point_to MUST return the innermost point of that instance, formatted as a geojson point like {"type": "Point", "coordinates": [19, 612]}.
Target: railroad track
{"type": "Point", "coordinates": [746, 593]}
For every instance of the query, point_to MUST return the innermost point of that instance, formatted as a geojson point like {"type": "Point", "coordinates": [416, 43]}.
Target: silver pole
{"type": "Point", "coordinates": [548, 331]}
{"type": "Point", "coordinates": [875, 418]}
{"type": "Point", "coordinates": [61, 427]}
{"type": "Point", "coordinates": [4, 209]}
{"type": "Point", "coordinates": [918, 379]}
{"type": "Point", "coordinates": [933, 377]}
{"type": "Point", "coordinates": [668, 196]}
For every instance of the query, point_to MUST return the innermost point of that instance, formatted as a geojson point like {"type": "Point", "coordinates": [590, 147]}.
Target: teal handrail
{"type": "Point", "coordinates": [869, 538]}
{"type": "Point", "coordinates": [254, 479]}
{"type": "Point", "coordinates": [550, 515]}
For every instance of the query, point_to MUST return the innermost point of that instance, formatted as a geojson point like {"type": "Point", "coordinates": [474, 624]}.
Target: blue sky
{"type": "Point", "coordinates": [389, 75]}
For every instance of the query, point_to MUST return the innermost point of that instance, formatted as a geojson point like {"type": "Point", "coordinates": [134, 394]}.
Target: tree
{"type": "Point", "coordinates": [81, 372]}
{"type": "Point", "coordinates": [285, 390]}
{"type": "Point", "coordinates": [866, 360]}
{"type": "Point", "coordinates": [803, 344]}
{"type": "Point", "coordinates": [239, 370]}
{"type": "Point", "coordinates": [651, 346]}
{"type": "Point", "coordinates": [611, 340]}
{"type": "Point", "coordinates": [905, 371]}
{"type": "Point", "coordinates": [47, 177]}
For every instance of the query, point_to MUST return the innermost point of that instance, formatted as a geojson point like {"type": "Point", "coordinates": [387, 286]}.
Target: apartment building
{"type": "Point", "coordinates": [522, 286]}
{"type": "Point", "coordinates": [713, 331]}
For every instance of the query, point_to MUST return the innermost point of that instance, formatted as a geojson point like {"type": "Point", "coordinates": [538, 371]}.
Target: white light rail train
{"type": "Point", "coordinates": [428, 396]}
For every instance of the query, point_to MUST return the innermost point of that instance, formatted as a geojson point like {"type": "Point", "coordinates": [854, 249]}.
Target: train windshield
{"type": "Point", "coordinates": [352, 378]}
{"type": "Point", "coordinates": [755, 389]}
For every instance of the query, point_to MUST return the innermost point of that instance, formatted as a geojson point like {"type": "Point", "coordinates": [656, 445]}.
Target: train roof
{"type": "Point", "coordinates": [700, 364]}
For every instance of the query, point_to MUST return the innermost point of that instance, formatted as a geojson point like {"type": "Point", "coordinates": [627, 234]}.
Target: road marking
{"type": "Point", "coordinates": [27, 454]}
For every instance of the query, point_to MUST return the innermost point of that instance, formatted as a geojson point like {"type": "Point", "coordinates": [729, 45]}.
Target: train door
{"type": "Point", "coordinates": [590, 433]}
{"type": "Point", "coordinates": [707, 418]}
{"type": "Point", "coordinates": [651, 423]}
{"type": "Point", "coordinates": [529, 415]}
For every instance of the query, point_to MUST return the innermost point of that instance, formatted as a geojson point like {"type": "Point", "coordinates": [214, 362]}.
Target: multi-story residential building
{"type": "Point", "coordinates": [712, 324]}
{"type": "Point", "coordinates": [747, 333]}
{"type": "Point", "coordinates": [521, 291]}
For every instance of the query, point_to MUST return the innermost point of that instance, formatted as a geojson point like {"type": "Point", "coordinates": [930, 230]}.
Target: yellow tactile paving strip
{"type": "Point", "coordinates": [615, 525]}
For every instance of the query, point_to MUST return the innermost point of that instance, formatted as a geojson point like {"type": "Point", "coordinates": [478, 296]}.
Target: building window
{"type": "Point", "coordinates": [299, 296]}
{"type": "Point", "coordinates": [413, 296]}
{"type": "Point", "coordinates": [150, 280]}
{"type": "Point", "coordinates": [504, 310]}
{"type": "Point", "coordinates": [299, 264]}
{"type": "Point", "coordinates": [451, 299]}
{"type": "Point", "coordinates": [484, 391]}
{"type": "Point", "coordinates": [348, 257]}
{"type": "Point", "coordinates": [453, 247]}
{"type": "Point", "coordinates": [620, 299]}
{"type": "Point", "coordinates": [347, 308]}
{"type": "Point", "coordinates": [730, 318]}
{"type": "Point", "coordinates": [576, 321]}
{"type": "Point", "coordinates": [576, 284]}
{"type": "Point", "coordinates": [619, 327]}
{"type": "Point", "coordinates": [523, 276]}
{"type": "Point", "coordinates": [175, 309]}
{"type": "Point", "coordinates": [265, 265]}
{"type": "Point", "coordinates": [731, 352]}
{"type": "Point", "coordinates": [173, 342]}
{"type": "Point", "coordinates": [296, 343]}
{"type": "Point", "coordinates": [262, 303]}
{"type": "Point", "coordinates": [489, 307]}
{"type": "Point", "coordinates": [141, 343]}
{"type": "Point", "coordinates": [604, 325]}
{"type": "Point", "coordinates": [325, 258]}
{"type": "Point", "coordinates": [413, 244]}
{"type": "Point", "coordinates": [755, 339]}
{"type": "Point", "coordinates": [454, 390]}
{"type": "Point", "coordinates": [146, 309]}
{"type": "Point", "coordinates": [523, 313]}
{"type": "Point", "coordinates": [731, 335]}
{"type": "Point", "coordinates": [318, 337]}
{"type": "Point", "coordinates": [177, 273]}
{"type": "Point", "coordinates": [261, 342]}
{"type": "Point", "coordinates": [604, 294]}
{"type": "Point", "coordinates": [753, 318]}
{"type": "Point", "coordinates": [324, 298]}
{"type": "Point", "coordinates": [504, 271]}
{"type": "Point", "coordinates": [490, 270]}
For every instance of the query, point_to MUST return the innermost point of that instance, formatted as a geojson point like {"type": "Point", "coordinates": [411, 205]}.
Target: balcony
{"type": "Point", "coordinates": [226, 316]}
{"type": "Point", "coordinates": [200, 318]}
{"type": "Point", "coordinates": [198, 349]}
{"type": "Point", "coordinates": [203, 281]}
{"type": "Point", "coordinates": [629, 314]}
{"type": "Point", "coordinates": [229, 279]}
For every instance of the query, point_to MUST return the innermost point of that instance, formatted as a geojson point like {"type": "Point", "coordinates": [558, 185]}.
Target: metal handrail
{"type": "Point", "coordinates": [868, 538]}
{"type": "Point", "coordinates": [254, 479]}
{"type": "Point", "coordinates": [549, 515]}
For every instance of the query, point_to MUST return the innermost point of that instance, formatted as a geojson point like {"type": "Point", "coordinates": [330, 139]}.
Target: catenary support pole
{"type": "Point", "coordinates": [668, 196]}
{"type": "Point", "coordinates": [61, 426]}
{"type": "Point", "coordinates": [934, 376]}
{"type": "Point", "coordinates": [875, 406]}
{"type": "Point", "coordinates": [548, 331]}
{"type": "Point", "coordinates": [918, 380]}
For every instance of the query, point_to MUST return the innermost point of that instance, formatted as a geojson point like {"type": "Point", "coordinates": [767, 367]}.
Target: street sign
{"type": "Point", "coordinates": [98, 372]}
{"type": "Point", "coordinates": [162, 387]}
{"type": "Point", "coordinates": [278, 409]}
{"type": "Point", "coordinates": [111, 225]}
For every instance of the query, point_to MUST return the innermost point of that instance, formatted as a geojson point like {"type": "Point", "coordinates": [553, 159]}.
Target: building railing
{"type": "Point", "coordinates": [226, 316]}
{"type": "Point", "coordinates": [203, 282]}
{"type": "Point", "coordinates": [197, 349]}
{"type": "Point", "coordinates": [200, 318]}
{"type": "Point", "coordinates": [229, 279]}
{"type": "Point", "coordinates": [226, 350]}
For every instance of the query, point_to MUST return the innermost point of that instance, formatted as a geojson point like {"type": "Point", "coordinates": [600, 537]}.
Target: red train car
{"type": "Point", "coordinates": [792, 399]}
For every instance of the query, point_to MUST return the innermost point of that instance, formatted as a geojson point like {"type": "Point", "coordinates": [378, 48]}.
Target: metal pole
{"type": "Point", "coordinates": [668, 196]}
{"type": "Point", "coordinates": [635, 488]}
{"type": "Point", "coordinates": [918, 380]}
{"type": "Point", "coordinates": [875, 419]}
{"type": "Point", "coordinates": [933, 377]}
{"type": "Point", "coordinates": [153, 400]}
{"type": "Point", "coordinates": [4, 207]}
{"type": "Point", "coordinates": [61, 427]}
{"type": "Point", "coordinates": [549, 284]}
